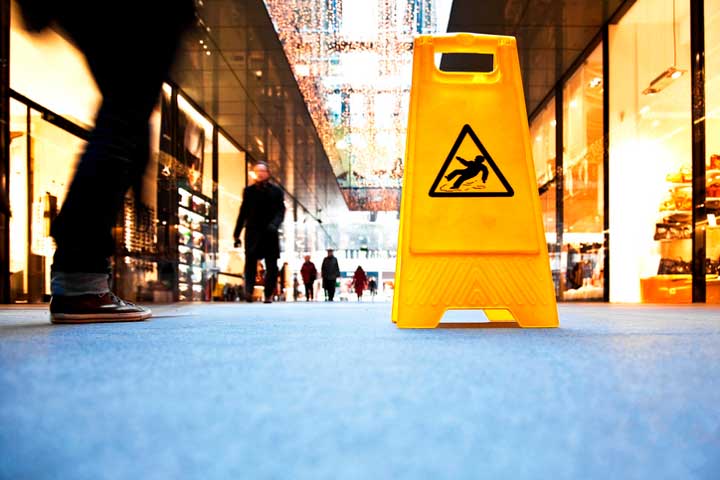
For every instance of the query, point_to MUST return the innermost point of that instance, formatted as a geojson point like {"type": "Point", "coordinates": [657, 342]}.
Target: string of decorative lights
{"type": "Point", "coordinates": [353, 63]}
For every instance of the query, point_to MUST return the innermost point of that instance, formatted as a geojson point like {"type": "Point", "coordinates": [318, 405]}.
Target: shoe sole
{"type": "Point", "coordinates": [99, 317]}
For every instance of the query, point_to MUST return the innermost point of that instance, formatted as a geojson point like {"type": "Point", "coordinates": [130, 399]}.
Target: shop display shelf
{"type": "Point", "coordinates": [193, 215]}
{"type": "Point", "coordinates": [667, 213]}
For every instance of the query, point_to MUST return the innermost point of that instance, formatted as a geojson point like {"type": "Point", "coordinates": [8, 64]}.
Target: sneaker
{"type": "Point", "coordinates": [103, 308]}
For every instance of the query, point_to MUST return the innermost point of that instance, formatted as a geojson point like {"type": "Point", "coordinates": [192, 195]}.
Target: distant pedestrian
{"type": "Point", "coordinates": [359, 281]}
{"type": "Point", "coordinates": [261, 214]}
{"type": "Point", "coordinates": [330, 272]}
{"type": "Point", "coordinates": [372, 286]}
{"type": "Point", "coordinates": [309, 274]}
{"type": "Point", "coordinates": [296, 287]}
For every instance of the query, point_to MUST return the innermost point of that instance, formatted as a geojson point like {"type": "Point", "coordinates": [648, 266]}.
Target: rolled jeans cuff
{"type": "Point", "coordinates": [79, 283]}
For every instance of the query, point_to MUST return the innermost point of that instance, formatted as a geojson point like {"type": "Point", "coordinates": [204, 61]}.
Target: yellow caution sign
{"type": "Point", "coordinates": [471, 233]}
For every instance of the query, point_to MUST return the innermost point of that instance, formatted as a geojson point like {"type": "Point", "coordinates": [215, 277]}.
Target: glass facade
{"type": "Point", "coordinates": [543, 139]}
{"type": "Point", "coordinates": [20, 219]}
{"type": "Point", "coordinates": [542, 136]}
{"type": "Point", "coordinates": [582, 262]}
{"type": "Point", "coordinates": [33, 56]}
{"type": "Point", "coordinates": [712, 148]}
{"type": "Point", "coordinates": [651, 155]}
{"type": "Point", "coordinates": [232, 181]}
{"type": "Point", "coordinates": [640, 183]}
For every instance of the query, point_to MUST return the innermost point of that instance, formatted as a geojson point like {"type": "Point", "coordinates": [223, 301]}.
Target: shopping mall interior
{"type": "Point", "coordinates": [619, 120]}
{"type": "Point", "coordinates": [617, 114]}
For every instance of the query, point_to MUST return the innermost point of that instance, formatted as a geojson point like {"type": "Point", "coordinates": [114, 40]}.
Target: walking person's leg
{"type": "Point", "coordinates": [250, 273]}
{"type": "Point", "coordinates": [271, 276]}
{"type": "Point", "coordinates": [308, 292]}
{"type": "Point", "coordinates": [115, 156]}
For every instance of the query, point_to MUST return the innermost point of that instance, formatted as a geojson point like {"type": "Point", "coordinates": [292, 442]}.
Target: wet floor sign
{"type": "Point", "coordinates": [471, 233]}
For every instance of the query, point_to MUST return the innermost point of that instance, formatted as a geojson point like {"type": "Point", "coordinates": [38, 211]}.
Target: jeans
{"type": "Point", "coordinates": [271, 275]}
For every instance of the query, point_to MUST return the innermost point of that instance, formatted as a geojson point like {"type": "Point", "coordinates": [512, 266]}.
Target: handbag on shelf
{"type": "Point", "coordinates": [669, 266]}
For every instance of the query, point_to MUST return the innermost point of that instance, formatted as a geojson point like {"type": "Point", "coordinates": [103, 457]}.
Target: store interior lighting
{"type": "Point", "coordinates": [663, 80]}
{"type": "Point", "coordinates": [672, 73]}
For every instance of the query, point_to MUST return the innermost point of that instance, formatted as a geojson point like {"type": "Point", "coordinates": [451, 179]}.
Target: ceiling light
{"type": "Point", "coordinates": [595, 82]}
{"type": "Point", "coordinates": [672, 73]}
{"type": "Point", "coordinates": [663, 80]}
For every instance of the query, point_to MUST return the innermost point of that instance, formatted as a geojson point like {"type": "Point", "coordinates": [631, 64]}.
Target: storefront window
{"type": "Point", "coordinates": [19, 221]}
{"type": "Point", "coordinates": [712, 147]}
{"type": "Point", "coordinates": [135, 270]}
{"type": "Point", "coordinates": [195, 133]}
{"type": "Point", "coordinates": [549, 209]}
{"type": "Point", "coordinates": [583, 238]}
{"type": "Point", "coordinates": [650, 154]}
{"type": "Point", "coordinates": [542, 136]}
{"type": "Point", "coordinates": [54, 153]}
{"type": "Point", "coordinates": [49, 70]}
{"type": "Point", "coordinates": [231, 175]}
{"type": "Point", "coordinates": [195, 201]}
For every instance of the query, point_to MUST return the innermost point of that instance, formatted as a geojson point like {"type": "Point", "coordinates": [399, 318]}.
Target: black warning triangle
{"type": "Point", "coordinates": [469, 176]}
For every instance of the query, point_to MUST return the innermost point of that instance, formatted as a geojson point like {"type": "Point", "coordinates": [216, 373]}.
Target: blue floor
{"type": "Point", "coordinates": [320, 391]}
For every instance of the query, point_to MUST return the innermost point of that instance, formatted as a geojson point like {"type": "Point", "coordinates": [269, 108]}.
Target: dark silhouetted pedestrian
{"type": "Point", "coordinates": [372, 286]}
{"type": "Point", "coordinates": [261, 214]}
{"type": "Point", "coordinates": [309, 274]}
{"type": "Point", "coordinates": [330, 272]}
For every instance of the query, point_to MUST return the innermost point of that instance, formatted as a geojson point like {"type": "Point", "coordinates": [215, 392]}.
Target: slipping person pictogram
{"type": "Point", "coordinates": [474, 167]}
{"type": "Point", "coordinates": [461, 177]}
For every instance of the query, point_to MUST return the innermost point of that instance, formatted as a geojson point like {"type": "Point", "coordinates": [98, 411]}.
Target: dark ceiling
{"type": "Point", "coordinates": [551, 34]}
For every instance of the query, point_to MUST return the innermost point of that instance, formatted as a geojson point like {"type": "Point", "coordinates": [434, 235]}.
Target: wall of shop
{"type": "Point", "coordinates": [629, 201]}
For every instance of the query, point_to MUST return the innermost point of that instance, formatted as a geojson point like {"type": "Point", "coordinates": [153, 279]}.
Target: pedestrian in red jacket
{"type": "Point", "coordinates": [309, 274]}
{"type": "Point", "coordinates": [359, 282]}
